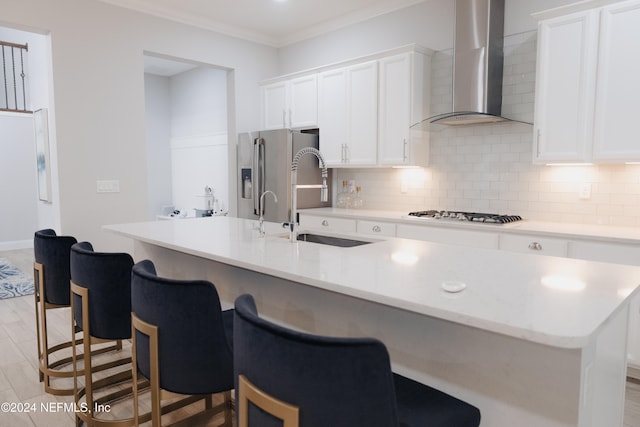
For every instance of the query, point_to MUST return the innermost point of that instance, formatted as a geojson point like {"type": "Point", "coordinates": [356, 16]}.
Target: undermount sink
{"type": "Point", "coordinates": [330, 240]}
{"type": "Point", "coordinates": [323, 239]}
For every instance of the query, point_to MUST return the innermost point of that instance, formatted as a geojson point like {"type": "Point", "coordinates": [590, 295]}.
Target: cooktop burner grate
{"type": "Point", "coordinates": [467, 216]}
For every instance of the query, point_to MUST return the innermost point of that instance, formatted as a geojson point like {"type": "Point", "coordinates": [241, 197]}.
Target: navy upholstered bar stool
{"type": "Point", "coordinates": [182, 342]}
{"type": "Point", "coordinates": [297, 379]}
{"type": "Point", "coordinates": [101, 308]}
{"type": "Point", "coordinates": [51, 282]}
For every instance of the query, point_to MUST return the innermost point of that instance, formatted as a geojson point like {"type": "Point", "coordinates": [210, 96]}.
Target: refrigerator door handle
{"type": "Point", "coordinates": [256, 176]}
{"type": "Point", "coordinates": [263, 182]}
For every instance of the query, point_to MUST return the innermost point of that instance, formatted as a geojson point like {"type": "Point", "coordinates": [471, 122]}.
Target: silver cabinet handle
{"type": "Point", "coordinates": [376, 228]}
{"type": "Point", "coordinates": [290, 118]}
{"type": "Point", "coordinates": [404, 150]}
{"type": "Point", "coordinates": [535, 246]}
{"type": "Point", "coordinates": [325, 223]}
{"type": "Point", "coordinates": [284, 118]}
{"type": "Point", "coordinates": [345, 153]}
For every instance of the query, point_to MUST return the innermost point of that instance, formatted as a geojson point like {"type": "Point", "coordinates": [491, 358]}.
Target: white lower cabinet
{"type": "Point", "coordinates": [387, 229]}
{"type": "Point", "coordinates": [327, 223]}
{"type": "Point", "coordinates": [479, 239]}
{"type": "Point", "coordinates": [530, 244]}
{"type": "Point", "coordinates": [616, 253]}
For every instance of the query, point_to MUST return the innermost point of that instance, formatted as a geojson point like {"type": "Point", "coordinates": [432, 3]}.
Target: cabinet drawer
{"type": "Point", "coordinates": [533, 245]}
{"type": "Point", "coordinates": [605, 252]}
{"type": "Point", "coordinates": [477, 239]}
{"type": "Point", "coordinates": [327, 223]}
{"type": "Point", "coordinates": [377, 228]}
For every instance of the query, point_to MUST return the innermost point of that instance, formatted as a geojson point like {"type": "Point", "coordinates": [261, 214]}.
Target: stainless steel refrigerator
{"type": "Point", "coordinates": [264, 163]}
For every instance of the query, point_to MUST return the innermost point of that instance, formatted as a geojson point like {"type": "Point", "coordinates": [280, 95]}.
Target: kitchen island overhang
{"type": "Point", "coordinates": [531, 338]}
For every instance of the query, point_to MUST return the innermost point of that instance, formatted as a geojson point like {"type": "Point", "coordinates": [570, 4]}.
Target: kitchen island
{"type": "Point", "coordinates": [531, 341]}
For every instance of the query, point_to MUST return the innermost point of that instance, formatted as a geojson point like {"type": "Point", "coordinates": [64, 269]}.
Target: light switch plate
{"type": "Point", "coordinates": [108, 186]}
{"type": "Point", "coordinates": [585, 190]}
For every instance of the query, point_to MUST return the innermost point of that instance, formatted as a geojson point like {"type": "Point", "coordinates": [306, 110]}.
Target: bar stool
{"type": "Point", "coordinates": [301, 379]}
{"type": "Point", "coordinates": [182, 343]}
{"type": "Point", "coordinates": [101, 309]}
{"type": "Point", "coordinates": [51, 290]}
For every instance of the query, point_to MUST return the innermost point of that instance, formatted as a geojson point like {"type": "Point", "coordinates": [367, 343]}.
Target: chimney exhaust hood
{"type": "Point", "coordinates": [477, 64]}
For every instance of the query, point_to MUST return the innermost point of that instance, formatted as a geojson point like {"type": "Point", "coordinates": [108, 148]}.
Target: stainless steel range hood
{"type": "Point", "coordinates": [477, 64]}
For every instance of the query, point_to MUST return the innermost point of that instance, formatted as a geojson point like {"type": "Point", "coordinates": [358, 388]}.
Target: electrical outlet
{"type": "Point", "coordinates": [108, 186]}
{"type": "Point", "coordinates": [585, 190]}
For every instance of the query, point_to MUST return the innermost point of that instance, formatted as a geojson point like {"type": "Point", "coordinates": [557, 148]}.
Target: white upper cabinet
{"type": "Point", "coordinates": [290, 103]}
{"type": "Point", "coordinates": [587, 69]}
{"type": "Point", "coordinates": [332, 114]}
{"type": "Point", "coordinates": [274, 105]}
{"type": "Point", "coordinates": [616, 136]}
{"type": "Point", "coordinates": [404, 101]}
{"type": "Point", "coordinates": [364, 108]}
{"type": "Point", "coordinates": [348, 114]}
{"type": "Point", "coordinates": [362, 114]}
{"type": "Point", "coordinates": [565, 79]}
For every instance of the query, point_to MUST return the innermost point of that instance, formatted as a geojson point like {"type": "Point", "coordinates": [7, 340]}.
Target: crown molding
{"type": "Point", "coordinates": [190, 19]}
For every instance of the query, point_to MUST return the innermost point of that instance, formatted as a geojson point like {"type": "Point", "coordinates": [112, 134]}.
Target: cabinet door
{"type": "Point", "coordinates": [605, 252]}
{"type": "Point", "coordinates": [362, 114]}
{"type": "Point", "coordinates": [332, 115]}
{"type": "Point", "coordinates": [395, 109]}
{"type": "Point", "coordinates": [303, 102]}
{"type": "Point", "coordinates": [533, 245]}
{"type": "Point", "coordinates": [327, 223]}
{"type": "Point", "coordinates": [274, 105]}
{"type": "Point", "coordinates": [565, 78]}
{"type": "Point", "coordinates": [618, 87]}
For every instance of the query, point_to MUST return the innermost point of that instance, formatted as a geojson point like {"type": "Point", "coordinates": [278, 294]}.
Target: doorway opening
{"type": "Point", "coordinates": [26, 87]}
{"type": "Point", "coordinates": [187, 137]}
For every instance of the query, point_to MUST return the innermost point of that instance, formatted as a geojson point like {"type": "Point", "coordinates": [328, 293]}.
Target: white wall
{"type": "Point", "coordinates": [38, 67]}
{"type": "Point", "coordinates": [18, 184]}
{"type": "Point", "coordinates": [199, 137]}
{"type": "Point", "coordinates": [158, 127]}
{"type": "Point", "coordinates": [186, 139]}
{"type": "Point", "coordinates": [99, 115]}
{"type": "Point", "coordinates": [429, 24]}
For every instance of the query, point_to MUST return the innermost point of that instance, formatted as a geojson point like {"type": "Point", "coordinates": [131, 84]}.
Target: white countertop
{"type": "Point", "coordinates": [508, 293]}
{"type": "Point", "coordinates": [603, 233]}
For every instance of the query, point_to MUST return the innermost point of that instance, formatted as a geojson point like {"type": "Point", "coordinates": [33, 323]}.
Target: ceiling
{"type": "Point", "coordinates": [272, 22]}
{"type": "Point", "coordinates": [165, 67]}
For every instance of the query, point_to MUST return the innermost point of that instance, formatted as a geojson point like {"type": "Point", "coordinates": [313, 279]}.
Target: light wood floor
{"type": "Point", "coordinates": [19, 367]}
{"type": "Point", "coordinates": [19, 372]}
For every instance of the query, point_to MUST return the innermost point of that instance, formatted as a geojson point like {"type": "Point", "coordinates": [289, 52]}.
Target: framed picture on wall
{"type": "Point", "coordinates": [41, 126]}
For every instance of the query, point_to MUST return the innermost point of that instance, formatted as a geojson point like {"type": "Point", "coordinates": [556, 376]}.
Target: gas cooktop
{"type": "Point", "coordinates": [486, 218]}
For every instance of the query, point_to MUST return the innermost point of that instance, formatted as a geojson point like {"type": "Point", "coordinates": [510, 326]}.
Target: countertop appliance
{"type": "Point", "coordinates": [264, 163]}
{"type": "Point", "coordinates": [479, 217]}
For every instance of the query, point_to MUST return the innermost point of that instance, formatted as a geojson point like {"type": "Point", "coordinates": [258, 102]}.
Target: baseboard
{"type": "Point", "coordinates": [16, 244]}
{"type": "Point", "coordinates": [633, 372]}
